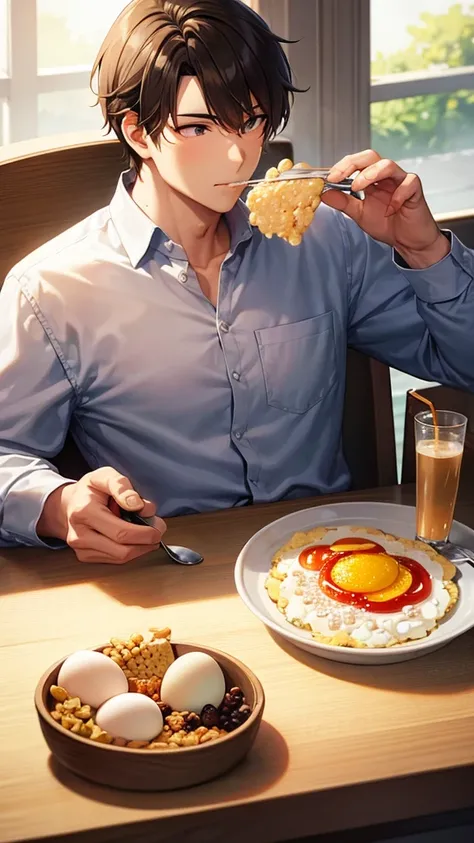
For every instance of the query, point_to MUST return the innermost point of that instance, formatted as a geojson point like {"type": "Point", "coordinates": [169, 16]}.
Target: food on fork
{"type": "Point", "coordinates": [285, 208]}
{"type": "Point", "coordinates": [354, 586]}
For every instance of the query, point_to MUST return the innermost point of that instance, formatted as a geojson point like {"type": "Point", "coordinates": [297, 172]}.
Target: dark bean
{"type": "Point", "coordinates": [192, 722]}
{"type": "Point", "coordinates": [209, 716]}
{"type": "Point", "coordinates": [165, 709]}
{"type": "Point", "coordinates": [236, 690]}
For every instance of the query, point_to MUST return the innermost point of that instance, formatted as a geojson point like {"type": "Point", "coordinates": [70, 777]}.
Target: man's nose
{"type": "Point", "coordinates": [236, 154]}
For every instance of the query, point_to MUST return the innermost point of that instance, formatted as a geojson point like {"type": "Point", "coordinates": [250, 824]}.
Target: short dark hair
{"type": "Point", "coordinates": [223, 43]}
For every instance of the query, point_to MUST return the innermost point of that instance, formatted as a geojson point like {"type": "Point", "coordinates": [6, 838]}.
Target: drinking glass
{"type": "Point", "coordinates": [438, 464]}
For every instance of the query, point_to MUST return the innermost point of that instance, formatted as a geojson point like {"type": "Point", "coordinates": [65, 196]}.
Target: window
{"type": "Point", "coordinates": [3, 120]}
{"type": "Point", "coordinates": [3, 38]}
{"type": "Point", "coordinates": [69, 32]}
{"type": "Point", "coordinates": [46, 51]}
{"type": "Point", "coordinates": [422, 94]}
{"type": "Point", "coordinates": [47, 48]}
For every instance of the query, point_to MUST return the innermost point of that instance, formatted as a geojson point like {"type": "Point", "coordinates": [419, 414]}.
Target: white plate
{"type": "Point", "coordinates": [254, 560]}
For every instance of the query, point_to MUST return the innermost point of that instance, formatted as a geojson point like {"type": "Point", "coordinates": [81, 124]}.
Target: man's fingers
{"type": "Point", "coordinates": [147, 511]}
{"type": "Point", "coordinates": [410, 189]}
{"type": "Point", "coordinates": [91, 555]}
{"type": "Point", "coordinates": [343, 202]}
{"type": "Point", "coordinates": [351, 163]}
{"type": "Point", "coordinates": [149, 508]}
{"type": "Point", "coordinates": [100, 519]}
{"type": "Point", "coordinates": [110, 482]}
{"type": "Point", "coordinates": [90, 543]}
{"type": "Point", "coordinates": [88, 554]}
{"type": "Point", "coordinates": [383, 169]}
{"type": "Point", "coordinates": [160, 525]}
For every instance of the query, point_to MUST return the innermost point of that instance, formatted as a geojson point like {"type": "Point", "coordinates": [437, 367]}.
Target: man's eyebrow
{"type": "Point", "coordinates": [207, 116]}
{"type": "Point", "coordinates": [201, 116]}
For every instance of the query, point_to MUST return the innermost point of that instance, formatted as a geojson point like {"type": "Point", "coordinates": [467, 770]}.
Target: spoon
{"type": "Point", "coordinates": [178, 554]}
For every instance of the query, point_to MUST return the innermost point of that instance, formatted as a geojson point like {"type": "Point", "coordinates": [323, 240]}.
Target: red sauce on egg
{"type": "Point", "coordinates": [419, 589]}
{"type": "Point", "coordinates": [313, 558]}
{"type": "Point", "coordinates": [322, 558]}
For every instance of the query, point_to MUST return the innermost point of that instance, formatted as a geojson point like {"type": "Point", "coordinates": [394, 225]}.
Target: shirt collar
{"type": "Point", "coordinates": [137, 231]}
{"type": "Point", "coordinates": [134, 228]}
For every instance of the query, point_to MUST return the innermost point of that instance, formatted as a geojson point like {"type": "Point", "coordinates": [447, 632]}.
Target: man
{"type": "Point", "coordinates": [198, 364]}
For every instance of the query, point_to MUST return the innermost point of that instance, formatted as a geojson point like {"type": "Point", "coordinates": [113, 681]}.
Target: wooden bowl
{"type": "Point", "coordinates": [141, 769]}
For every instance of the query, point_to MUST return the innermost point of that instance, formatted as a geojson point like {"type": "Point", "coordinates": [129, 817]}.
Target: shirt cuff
{"type": "Point", "coordinates": [446, 279]}
{"type": "Point", "coordinates": [24, 506]}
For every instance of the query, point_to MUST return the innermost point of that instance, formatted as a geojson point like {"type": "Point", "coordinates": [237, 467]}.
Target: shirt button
{"type": "Point", "coordinates": [236, 376]}
{"type": "Point", "coordinates": [182, 277]}
{"type": "Point", "coordinates": [224, 327]}
{"type": "Point", "coordinates": [238, 435]}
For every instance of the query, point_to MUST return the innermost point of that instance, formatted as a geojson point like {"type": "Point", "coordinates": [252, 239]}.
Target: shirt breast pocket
{"type": "Point", "coordinates": [298, 361]}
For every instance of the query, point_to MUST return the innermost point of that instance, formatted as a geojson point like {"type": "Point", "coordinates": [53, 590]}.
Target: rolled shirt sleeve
{"type": "Point", "coordinates": [419, 321]}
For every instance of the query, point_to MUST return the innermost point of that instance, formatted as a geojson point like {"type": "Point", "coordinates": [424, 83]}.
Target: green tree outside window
{"type": "Point", "coordinates": [432, 123]}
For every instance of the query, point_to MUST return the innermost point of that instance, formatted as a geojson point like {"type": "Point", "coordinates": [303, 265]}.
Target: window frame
{"type": "Point", "coordinates": [24, 82]}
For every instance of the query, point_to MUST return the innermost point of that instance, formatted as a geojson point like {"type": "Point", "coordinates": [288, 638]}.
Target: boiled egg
{"type": "Point", "coordinates": [193, 681]}
{"type": "Point", "coordinates": [92, 677]}
{"type": "Point", "coordinates": [133, 717]}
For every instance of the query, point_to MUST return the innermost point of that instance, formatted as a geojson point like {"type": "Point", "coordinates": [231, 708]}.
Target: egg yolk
{"type": "Point", "coordinates": [398, 587]}
{"type": "Point", "coordinates": [345, 545]}
{"type": "Point", "coordinates": [365, 572]}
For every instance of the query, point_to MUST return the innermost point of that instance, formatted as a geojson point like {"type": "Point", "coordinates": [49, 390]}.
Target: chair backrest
{"type": "Point", "coordinates": [48, 185]}
{"type": "Point", "coordinates": [443, 398]}
{"type": "Point", "coordinates": [461, 224]}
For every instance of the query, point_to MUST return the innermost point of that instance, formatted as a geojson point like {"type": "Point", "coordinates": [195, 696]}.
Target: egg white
{"type": "Point", "coordinates": [334, 622]}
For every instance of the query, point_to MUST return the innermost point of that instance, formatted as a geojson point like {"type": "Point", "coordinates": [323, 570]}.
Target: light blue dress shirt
{"type": "Point", "coordinates": [105, 330]}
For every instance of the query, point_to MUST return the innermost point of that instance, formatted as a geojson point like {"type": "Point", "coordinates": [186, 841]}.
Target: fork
{"type": "Point", "coordinates": [454, 552]}
{"type": "Point", "coordinates": [297, 173]}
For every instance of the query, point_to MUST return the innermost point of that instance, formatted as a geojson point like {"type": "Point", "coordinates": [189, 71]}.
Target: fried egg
{"type": "Point", "coordinates": [360, 587]}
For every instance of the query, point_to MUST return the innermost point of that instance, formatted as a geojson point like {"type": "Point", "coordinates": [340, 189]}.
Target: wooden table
{"type": "Point", "coordinates": [340, 747]}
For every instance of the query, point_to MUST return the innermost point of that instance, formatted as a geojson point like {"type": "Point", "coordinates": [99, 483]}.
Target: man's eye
{"type": "Point", "coordinates": [195, 131]}
{"type": "Point", "coordinates": [254, 123]}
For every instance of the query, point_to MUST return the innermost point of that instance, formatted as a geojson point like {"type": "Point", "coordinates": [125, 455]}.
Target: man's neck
{"type": "Point", "coordinates": [202, 232]}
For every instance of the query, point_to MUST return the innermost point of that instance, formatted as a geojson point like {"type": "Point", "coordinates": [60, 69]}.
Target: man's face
{"type": "Point", "coordinates": [200, 156]}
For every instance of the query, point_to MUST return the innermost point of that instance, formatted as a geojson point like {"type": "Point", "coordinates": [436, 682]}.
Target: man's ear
{"type": "Point", "coordinates": [135, 135]}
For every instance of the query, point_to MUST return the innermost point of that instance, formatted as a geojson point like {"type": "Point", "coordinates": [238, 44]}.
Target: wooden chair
{"type": "Point", "coordinates": [461, 224]}
{"type": "Point", "coordinates": [48, 185]}
{"type": "Point", "coordinates": [443, 398]}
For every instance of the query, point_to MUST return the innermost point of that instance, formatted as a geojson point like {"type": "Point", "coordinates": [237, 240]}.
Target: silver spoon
{"type": "Point", "coordinates": [180, 555]}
